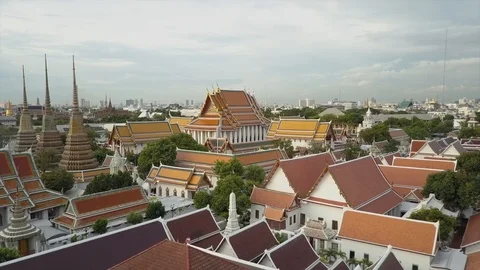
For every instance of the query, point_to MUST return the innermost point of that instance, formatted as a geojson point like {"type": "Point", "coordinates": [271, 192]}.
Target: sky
{"type": "Point", "coordinates": [282, 51]}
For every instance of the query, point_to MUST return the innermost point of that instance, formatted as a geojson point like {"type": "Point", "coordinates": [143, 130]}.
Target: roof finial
{"type": "Point", "coordinates": [47, 90]}
{"type": "Point", "coordinates": [75, 90]}
{"type": "Point", "coordinates": [25, 104]}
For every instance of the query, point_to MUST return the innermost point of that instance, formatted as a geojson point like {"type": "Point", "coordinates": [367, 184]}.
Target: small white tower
{"type": "Point", "coordinates": [232, 222]}
{"type": "Point", "coordinates": [117, 163]}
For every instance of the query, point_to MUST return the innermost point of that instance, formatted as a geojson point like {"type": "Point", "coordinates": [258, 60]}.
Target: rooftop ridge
{"type": "Point", "coordinates": [428, 160]}
{"type": "Point", "coordinates": [208, 153]}
{"type": "Point", "coordinates": [276, 191]}
{"type": "Point", "coordinates": [392, 217]}
{"type": "Point", "coordinates": [206, 208]}
{"type": "Point", "coordinates": [353, 160]}
{"type": "Point", "coordinates": [410, 168]}
{"type": "Point", "coordinates": [118, 190]}
{"type": "Point", "coordinates": [304, 157]}
{"type": "Point", "coordinates": [262, 220]}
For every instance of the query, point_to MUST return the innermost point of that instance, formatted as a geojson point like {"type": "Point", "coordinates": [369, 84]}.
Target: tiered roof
{"type": "Point", "coordinates": [198, 228]}
{"type": "Point", "coordinates": [406, 180]}
{"type": "Point", "coordinates": [113, 204]}
{"type": "Point", "coordinates": [205, 161]}
{"type": "Point", "coordinates": [222, 145]}
{"type": "Point", "coordinates": [382, 230]}
{"type": "Point", "coordinates": [250, 242]}
{"type": "Point", "coordinates": [302, 173]}
{"type": "Point", "coordinates": [19, 173]}
{"type": "Point", "coordinates": [26, 137]}
{"type": "Point", "coordinates": [303, 129]}
{"type": "Point", "coordinates": [181, 122]}
{"type": "Point", "coordinates": [275, 202]}
{"type": "Point", "coordinates": [88, 175]}
{"type": "Point", "coordinates": [230, 109]}
{"type": "Point", "coordinates": [295, 253]}
{"type": "Point", "coordinates": [362, 185]}
{"type": "Point", "coordinates": [425, 163]}
{"type": "Point", "coordinates": [187, 178]}
{"type": "Point", "coordinates": [142, 132]}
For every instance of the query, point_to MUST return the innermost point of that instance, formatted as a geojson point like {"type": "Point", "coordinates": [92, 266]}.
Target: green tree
{"type": "Point", "coordinates": [316, 147]}
{"type": "Point", "coordinates": [100, 226]}
{"type": "Point", "coordinates": [281, 237]}
{"type": "Point", "coordinates": [391, 147]}
{"type": "Point", "coordinates": [467, 133]}
{"type": "Point", "coordinates": [457, 190]}
{"type": "Point", "coordinates": [74, 238]}
{"type": "Point", "coordinates": [134, 218]}
{"type": "Point", "coordinates": [186, 141]}
{"type": "Point", "coordinates": [7, 254]}
{"type": "Point", "coordinates": [58, 179]}
{"type": "Point", "coordinates": [226, 168]}
{"type": "Point", "coordinates": [285, 145]}
{"type": "Point", "coordinates": [447, 223]}
{"type": "Point", "coordinates": [102, 152]}
{"type": "Point", "coordinates": [376, 133]}
{"type": "Point", "coordinates": [353, 151]}
{"type": "Point", "coordinates": [46, 159]}
{"type": "Point", "coordinates": [254, 175]}
{"type": "Point", "coordinates": [105, 182]}
{"type": "Point", "coordinates": [7, 134]}
{"type": "Point", "coordinates": [155, 210]}
{"type": "Point", "coordinates": [221, 195]}
{"type": "Point", "coordinates": [158, 117]}
{"type": "Point", "coordinates": [469, 162]}
{"type": "Point", "coordinates": [63, 137]}
{"type": "Point", "coordinates": [162, 151]}
{"type": "Point", "coordinates": [202, 199]}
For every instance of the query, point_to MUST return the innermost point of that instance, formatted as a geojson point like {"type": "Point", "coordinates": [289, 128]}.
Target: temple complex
{"type": "Point", "coordinates": [26, 138]}
{"type": "Point", "coordinates": [49, 136]}
{"type": "Point", "coordinates": [232, 114]}
{"type": "Point", "coordinates": [78, 154]}
{"type": "Point", "coordinates": [20, 234]}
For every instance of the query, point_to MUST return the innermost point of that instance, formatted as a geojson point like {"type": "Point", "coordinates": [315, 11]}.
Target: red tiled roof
{"type": "Point", "coordinates": [169, 255]}
{"type": "Point", "coordinates": [472, 232]}
{"type": "Point", "coordinates": [272, 198]}
{"type": "Point", "coordinates": [395, 133]}
{"type": "Point", "coordinates": [212, 241]}
{"type": "Point", "coordinates": [404, 191]}
{"type": "Point", "coordinates": [415, 145]}
{"type": "Point", "coordinates": [325, 201]}
{"type": "Point", "coordinates": [296, 253]}
{"type": "Point", "coordinates": [104, 200]}
{"type": "Point", "coordinates": [24, 165]}
{"type": "Point", "coordinates": [250, 242]}
{"type": "Point", "coordinates": [405, 176]}
{"type": "Point", "coordinates": [6, 167]}
{"type": "Point", "coordinates": [383, 204]}
{"type": "Point", "coordinates": [111, 214]}
{"type": "Point", "coordinates": [473, 261]}
{"type": "Point", "coordinates": [193, 225]}
{"type": "Point", "coordinates": [359, 180]}
{"type": "Point", "coordinates": [425, 163]}
{"type": "Point", "coordinates": [33, 185]}
{"type": "Point", "coordinates": [303, 173]}
{"type": "Point", "coordinates": [400, 233]}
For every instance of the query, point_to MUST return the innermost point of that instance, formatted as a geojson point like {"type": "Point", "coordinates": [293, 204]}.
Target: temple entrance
{"type": "Point", "coordinates": [23, 247]}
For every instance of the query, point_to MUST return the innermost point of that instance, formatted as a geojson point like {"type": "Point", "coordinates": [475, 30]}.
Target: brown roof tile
{"type": "Point", "coordinates": [295, 253]}
{"type": "Point", "coordinates": [473, 261]}
{"type": "Point", "coordinates": [210, 242]}
{"type": "Point", "coordinates": [193, 225]}
{"type": "Point", "coordinates": [24, 165]}
{"type": "Point", "coordinates": [250, 242]}
{"type": "Point", "coordinates": [272, 198]}
{"type": "Point", "coordinates": [472, 232]}
{"type": "Point", "coordinates": [49, 204]}
{"type": "Point", "coordinates": [407, 234]}
{"type": "Point", "coordinates": [276, 214]}
{"type": "Point", "coordinates": [169, 255]}
{"type": "Point", "coordinates": [383, 204]}
{"type": "Point", "coordinates": [359, 180]}
{"type": "Point", "coordinates": [389, 158]}
{"type": "Point", "coordinates": [108, 199]}
{"type": "Point", "coordinates": [303, 173]}
{"type": "Point", "coordinates": [6, 167]}
{"type": "Point", "coordinates": [415, 145]}
{"type": "Point", "coordinates": [405, 176]}
{"type": "Point", "coordinates": [424, 163]}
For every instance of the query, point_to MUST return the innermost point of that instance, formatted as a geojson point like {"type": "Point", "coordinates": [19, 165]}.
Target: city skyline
{"type": "Point", "coordinates": [281, 51]}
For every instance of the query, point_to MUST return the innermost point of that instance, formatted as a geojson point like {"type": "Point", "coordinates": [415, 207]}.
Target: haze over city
{"type": "Point", "coordinates": [169, 51]}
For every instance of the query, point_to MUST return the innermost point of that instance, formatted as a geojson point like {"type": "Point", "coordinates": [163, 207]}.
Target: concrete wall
{"type": "Point", "coordinates": [314, 211]}
{"type": "Point", "coordinates": [293, 216]}
{"type": "Point", "coordinates": [226, 249]}
{"type": "Point", "coordinates": [279, 182]}
{"type": "Point", "coordinates": [406, 259]}
{"type": "Point", "coordinates": [328, 189]}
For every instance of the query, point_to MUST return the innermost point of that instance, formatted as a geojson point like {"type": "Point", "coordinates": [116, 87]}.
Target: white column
{"type": "Point", "coordinates": [230, 137]}
{"type": "Point", "coordinates": [157, 191]}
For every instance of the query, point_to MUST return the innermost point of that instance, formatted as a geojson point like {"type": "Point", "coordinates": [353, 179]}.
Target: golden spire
{"type": "Point", "coordinates": [48, 108]}
{"type": "Point", "coordinates": [25, 103]}
{"type": "Point", "coordinates": [75, 90]}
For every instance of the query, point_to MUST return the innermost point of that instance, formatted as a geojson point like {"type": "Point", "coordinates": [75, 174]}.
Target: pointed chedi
{"type": "Point", "coordinates": [49, 136]}
{"type": "Point", "coordinates": [78, 154]}
{"type": "Point", "coordinates": [26, 137]}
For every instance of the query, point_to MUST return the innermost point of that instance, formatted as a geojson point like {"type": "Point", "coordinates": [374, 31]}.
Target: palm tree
{"type": "Point", "coordinates": [365, 263]}
{"type": "Point", "coordinates": [352, 262]}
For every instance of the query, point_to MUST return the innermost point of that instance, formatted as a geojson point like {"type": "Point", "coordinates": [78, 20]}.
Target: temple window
{"type": "Point", "coordinates": [167, 192]}
{"type": "Point", "coordinates": [175, 192]}
{"type": "Point", "coordinates": [183, 194]}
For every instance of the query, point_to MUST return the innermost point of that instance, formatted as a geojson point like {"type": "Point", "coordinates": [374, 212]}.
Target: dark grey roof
{"type": "Point", "coordinates": [100, 252]}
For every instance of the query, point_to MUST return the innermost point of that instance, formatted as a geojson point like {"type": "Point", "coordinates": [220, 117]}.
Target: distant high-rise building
{"type": "Point", "coordinates": [191, 102]}
{"type": "Point", "coordinates": [302, 103]}
{"type": "Point", "coordinates": [82, 103]}
{"type": "Point", "coordinates": [135, 103]}
{"type": "Point", "coordinates": [102, 104]}
{"type": "Point", "coordinates": [129, 102]}
{"type": "Point", "coordinates": [38, 101]}
{"type": "Point", "coordinates": [186, 103]}
{"type": "Point", "coordinates": [141, 102]}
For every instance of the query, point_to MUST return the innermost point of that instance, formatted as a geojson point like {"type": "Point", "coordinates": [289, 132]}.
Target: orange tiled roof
{"type": "Point", "coordinates": [383, 204]}
{"type": "Point", "coordinates": [405, 176]}
{"type": "Point", "coordinates": [406, 234]}
{"type": "Point", "coordinates": [49, 204]}
{"type": "Point", "coordinates": [276, 214]}
{"type": "Point", "coordinates": [415, 145]}
{"type": "Point", "coordinates": [473, 261]}
{"type": "Point", "coordinates": [272, 198]}
{"type": "Point", "coordinates": [6, 166]}
{"type": "Point", "coordinates": [425, 163]}
{"type": "Point", "coordinates": [175, 128]}
{"type": "Point", "coordinates": [25, 166]}
{"type": "Point", "coordinates": [148, 127]}
{"type": "Point", "coordinates": [472, 232]}
{"type": "Point", "coordinates": [178, 176]}
{"type": "Point", "coordinates": [108, 199]}
{"type": "Point", "coordinates": [181, 121]}
{"type": "Point", "coordinates": [142, 132]}
{"type": "Point", "coordinates": [300, 128]}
